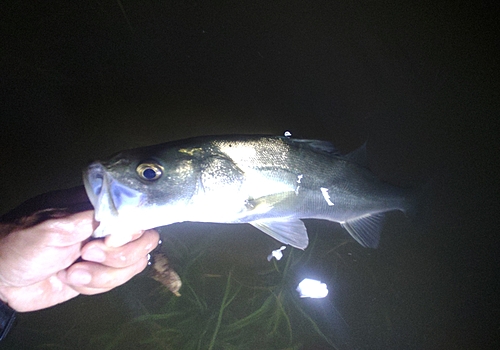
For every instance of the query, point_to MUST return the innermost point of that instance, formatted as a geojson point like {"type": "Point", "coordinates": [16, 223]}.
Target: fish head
{"type": "Point", "coordinates": [139, 189]}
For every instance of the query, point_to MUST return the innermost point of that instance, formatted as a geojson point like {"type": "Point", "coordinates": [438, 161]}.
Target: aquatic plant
{"type": "Point", "coordinates": [226, 309]}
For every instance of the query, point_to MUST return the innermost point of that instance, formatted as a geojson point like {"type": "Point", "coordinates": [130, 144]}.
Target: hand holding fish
{"type": "Point", "coordinates": [53, 261]}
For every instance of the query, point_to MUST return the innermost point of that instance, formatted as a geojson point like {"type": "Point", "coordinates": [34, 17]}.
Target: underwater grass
{"type": "Point", "coordinates": [224, 306]}
{"type": "Point", "coordinates": [226, 309]}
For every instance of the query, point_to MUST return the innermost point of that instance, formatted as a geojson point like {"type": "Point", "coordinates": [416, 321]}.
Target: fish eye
{"type": "Point", "coordinates": [149, 171]}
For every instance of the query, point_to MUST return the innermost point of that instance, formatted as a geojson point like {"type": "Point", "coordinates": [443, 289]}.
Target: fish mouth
{"type": "Point", "coordinates": [109, 197]}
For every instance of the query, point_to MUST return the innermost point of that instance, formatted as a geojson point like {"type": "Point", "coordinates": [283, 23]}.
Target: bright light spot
{"type": "Point", "coordinates": [238, 151]}
{"type": "Point", "coordinates": [326, 196]}
{"type": "Point", "coordinates": [277, 254]}
{"type": "Point", "coordinates": [299, 178]}
{"type": "Point", "coordinates": [310, 288]}
{"type": "Point", "coordinates": [288, 133]}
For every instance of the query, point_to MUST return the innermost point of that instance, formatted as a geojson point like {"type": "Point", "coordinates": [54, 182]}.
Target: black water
{"type": "Point", "coordinates": [418, 82]}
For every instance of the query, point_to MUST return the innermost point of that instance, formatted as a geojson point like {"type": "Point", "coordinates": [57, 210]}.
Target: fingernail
{"type": "Point", "coordinates": [94, 254]}
{"type": "Point", "coordinates": [80, 277]}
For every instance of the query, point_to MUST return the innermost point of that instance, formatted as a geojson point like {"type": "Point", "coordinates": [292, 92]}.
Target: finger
{"type": "Point", "coordinates": [121, 238]}
{"type": "Point", "coordinates": [62, 232]}
{"type": "Point", "coordinates": [66, 231]}
{"type": "Point", "coordinates": [116, 240]}
{"type": "Point", "coordinates": [93, 278]}
{"type": "Point", "coordinates": [118, 257]}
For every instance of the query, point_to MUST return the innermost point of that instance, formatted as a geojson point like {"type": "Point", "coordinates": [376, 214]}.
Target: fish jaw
{"type": "Point", "coordinates": [112, 201]}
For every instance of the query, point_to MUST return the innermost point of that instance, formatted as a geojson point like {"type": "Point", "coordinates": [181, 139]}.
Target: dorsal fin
{"type": "Point", "coordinates": [358, 156]}
{"type": "Point", "coordinates": [317, 145]}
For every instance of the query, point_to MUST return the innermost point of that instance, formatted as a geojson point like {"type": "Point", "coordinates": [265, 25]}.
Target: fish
{"type": "Point", "coordinates": [270, 182]}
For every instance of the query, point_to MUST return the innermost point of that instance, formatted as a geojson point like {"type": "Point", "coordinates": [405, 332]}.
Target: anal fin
{"type": "Point", "coordinates": [365, 229]}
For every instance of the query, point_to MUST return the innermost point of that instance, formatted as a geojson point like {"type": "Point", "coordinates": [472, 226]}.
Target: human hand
{"type": "Point", "coordinates": [39, 267]}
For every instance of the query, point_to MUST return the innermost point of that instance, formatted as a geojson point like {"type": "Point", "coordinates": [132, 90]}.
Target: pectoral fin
{"type": "Point", "coordinates": [287, 231]}
{"type": "Point", "coordinates": [365, 229]}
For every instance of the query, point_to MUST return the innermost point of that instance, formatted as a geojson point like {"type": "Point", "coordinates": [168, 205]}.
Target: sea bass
{"type": "Point", "coordinates": [270, 182]}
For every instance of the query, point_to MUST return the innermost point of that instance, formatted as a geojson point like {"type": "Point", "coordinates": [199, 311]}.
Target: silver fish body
{"type": "Point", "coordinates": [270, 182]}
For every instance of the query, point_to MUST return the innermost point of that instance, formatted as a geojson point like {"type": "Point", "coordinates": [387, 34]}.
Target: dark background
{"type": "Point", "coordinates": [418, 82]}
